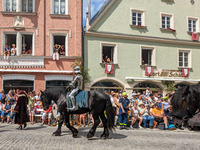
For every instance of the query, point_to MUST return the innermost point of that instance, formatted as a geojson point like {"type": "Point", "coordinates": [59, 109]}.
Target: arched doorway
{"type": "Point", "coordinates": [107, 85]}
{"type": "Point", "coordinates": [140, 87]}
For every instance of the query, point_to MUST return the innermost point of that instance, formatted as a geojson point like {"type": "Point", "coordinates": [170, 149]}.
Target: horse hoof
{"type": "Point", "coordinates": [56, 134]}
{"type": "Point", "coordinates": [89, 136]}
{"type": "Point", "coordinates": [103, 137]}
{"type": "Point", "coordinates": [75, 135]}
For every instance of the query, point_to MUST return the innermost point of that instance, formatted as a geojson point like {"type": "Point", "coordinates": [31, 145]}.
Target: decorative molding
{"type": "Point", "coordinates": [58, 77]}
{"type": "Point", "coordinates": [59, 16]}
{"type": "Point", "coordinates": [18, 77]}
{"type": "Point", "coordinates": [142, 38]}
{"type": "Point", "coordinates": [70, 32]}
{"type": "Point", "coordinates": [18, 13]}
{"type": "Point", "coordinates": [23, 28]}
{"type": "Point", "coordinates": [36, 71]}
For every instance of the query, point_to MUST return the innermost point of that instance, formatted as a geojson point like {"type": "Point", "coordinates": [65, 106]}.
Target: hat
{"type": "Point", "coordinates": [166, 97]}
{"type": "Point", "coordinates": [106, 91]}
{"type": "Point", "coordinates": [159, 91]}
{"type": "Point", "coordinates": [141, 103]}
{"type": "Point", "coordinates": [134, 94]}
{"type": "Point", "coordinates": [152, 104]}
{"type": "Point", "coordinates": [124, 93]}
{"type": "Point", "coordinates": [21, 92]}
{"type": "Point", "coordinates": [147, 87]}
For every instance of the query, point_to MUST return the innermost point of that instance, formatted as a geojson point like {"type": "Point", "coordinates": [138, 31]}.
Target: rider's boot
{"type": "Point", "coordinates": [73, 103]}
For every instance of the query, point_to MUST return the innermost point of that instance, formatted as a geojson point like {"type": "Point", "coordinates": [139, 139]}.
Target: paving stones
{"type": "Point", "coordinates": [37, 137]}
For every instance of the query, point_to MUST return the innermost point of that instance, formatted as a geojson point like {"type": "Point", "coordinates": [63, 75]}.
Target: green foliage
{"type": "Point", "coordinates": [170, 85]}
{"type": "Point", "coordinates": [84, 72]}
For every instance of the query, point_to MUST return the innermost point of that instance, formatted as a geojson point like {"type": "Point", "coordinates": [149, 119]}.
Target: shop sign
{"type": "Point", "coordinates": [21, 62]}
{"type": "Point", "coordinates": [168, 73]}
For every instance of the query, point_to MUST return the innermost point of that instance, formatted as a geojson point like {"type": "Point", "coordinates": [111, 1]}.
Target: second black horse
{"type": "Point", "coordinates": [97, 102]}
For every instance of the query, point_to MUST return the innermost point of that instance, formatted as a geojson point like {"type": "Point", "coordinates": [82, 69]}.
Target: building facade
{"type": "Point", "coordinates": [149, 44]}
{"type": "Point", "coordinates": [35, 26]}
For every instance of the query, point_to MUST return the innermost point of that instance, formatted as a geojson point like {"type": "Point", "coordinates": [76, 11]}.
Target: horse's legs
{"type": "Point", "coordinates": [93, 129]}
{"type": "Point", "coordinates": [58, 131]}
{"type": "Point", "coordinates": [105, 132]}
{"type": "Point", "coordinates": [73, 130]}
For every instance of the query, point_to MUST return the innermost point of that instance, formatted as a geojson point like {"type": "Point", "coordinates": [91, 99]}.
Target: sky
{"type": "Point", "coordinates": [96, 5]}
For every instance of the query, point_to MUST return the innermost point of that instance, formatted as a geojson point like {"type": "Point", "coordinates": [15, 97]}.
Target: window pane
{"type": "Point", "coordinates": [140, 23]}
{"type": "Point", "coordinates": [134, 14]}
{"type": "Point", "coordinates": [190, 29]}
{"type": "Point", "coordinates": [30, 5]}
{"type": "Point", "coordinates": [163, 26]}
{"type": "Point", "coordinates": [190, 21]}
{"type": "Point", "coordinates": [139, 14]}
{"type": "Point", "coordinates": [24, 5]}
{"type": "Point", "coordinates": [7, 5]}
{"type": "Point", "coordinates": [181, 64]}
{"type": "Point", "coordinates": [180, 53]}
{"type": "Point", "coordinates": [163, 17]}
{"type": "Point", "coordinates": [14, 4]}
{"type": "Point", "coordinates": [185, 64]}
{"type": "Point", "coordinates": [56, 6]}
{"type": "Point", "coordinates": [62, 6]}
{"type": "Point", "coordinates": [180, 58]}
{"type": "Point", "coordinates": [134, 18]}
{"type": "Point", "coordinates": [168, 18]}
{"type": "Point", "coordinates": [186, 54]}
{"type": "Point", "coordinates": [139, 19]}
{"type": "Point", "coordinates": [134, 22]}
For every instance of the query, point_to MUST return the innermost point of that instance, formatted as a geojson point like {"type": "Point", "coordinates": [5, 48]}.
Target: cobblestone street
{"type": "Point", "coordinates": [40, 137]}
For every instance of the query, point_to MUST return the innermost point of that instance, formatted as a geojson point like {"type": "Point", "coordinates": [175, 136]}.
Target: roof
{"type": "Point", "coordinates": [101, 10]}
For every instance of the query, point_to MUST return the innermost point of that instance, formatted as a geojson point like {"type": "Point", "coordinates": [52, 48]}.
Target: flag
{"type": "Point", "coordinates": [185, 72]}
{"type": "Point", "coordinates": [195, 36]}
{"type": "Point", "coordinates": [148, 70]}
{"type": "Point", "coordinates": [109, 68]}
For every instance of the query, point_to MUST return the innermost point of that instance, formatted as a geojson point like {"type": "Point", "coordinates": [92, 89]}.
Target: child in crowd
{"type": "Point", "coordinates": [12, 114]}
{"type": "Point", "coordinates": [31, 113]}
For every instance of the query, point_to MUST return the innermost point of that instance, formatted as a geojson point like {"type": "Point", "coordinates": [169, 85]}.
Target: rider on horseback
{"type": "Point", "coordinates": [75, 85]}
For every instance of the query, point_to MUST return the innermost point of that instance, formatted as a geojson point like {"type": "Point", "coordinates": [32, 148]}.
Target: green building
{"type": "Point", "coordinates": [159, 36]}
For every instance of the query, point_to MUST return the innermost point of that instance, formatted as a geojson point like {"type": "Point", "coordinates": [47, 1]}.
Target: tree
{"type": "Point", "coordinates": [170, 85]}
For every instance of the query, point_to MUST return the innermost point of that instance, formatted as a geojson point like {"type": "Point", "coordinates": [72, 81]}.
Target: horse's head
{"type": "Point", "coordinates": [183, 104]}
{"type": "Point", "coordinates": [45, 98]}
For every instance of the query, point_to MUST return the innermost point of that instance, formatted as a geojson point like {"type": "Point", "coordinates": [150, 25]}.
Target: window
{"type": "Point", "coordinates": [11, 5]}
{"type": "Point", "coordinates": [27, 5]}
{"type": "Point", "coordinates": [27, 44]}
{"type": "Point", "coordinates": [193, 24]}
{"type": "Point", "coordinates": [166, 22]}
{"type": "Point", "coordinates": [147, 55]}
{"type": "Point", "coordinates": [59, 7]}
{"type": "Point", "coordinates": [108, 53]}
{"type": "Point", "coordinates": [10, 39]}
{"type": "Point", "coordinates": [136, 18]}
{"type": "Point", "coordinates": [56, 83]}
{"type": "Point", "coordinates": [183, 59]}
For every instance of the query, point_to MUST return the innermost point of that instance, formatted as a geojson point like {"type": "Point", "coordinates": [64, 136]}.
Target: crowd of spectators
{"type": "Point", "coordinates": [146, 110]}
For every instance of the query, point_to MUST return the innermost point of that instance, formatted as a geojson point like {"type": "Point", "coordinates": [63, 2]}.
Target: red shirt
{"type": "Point", "coordinates": [48, 110]}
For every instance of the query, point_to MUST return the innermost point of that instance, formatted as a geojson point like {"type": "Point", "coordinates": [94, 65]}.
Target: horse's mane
{"type": "Point", "coordinates": [54, 93]}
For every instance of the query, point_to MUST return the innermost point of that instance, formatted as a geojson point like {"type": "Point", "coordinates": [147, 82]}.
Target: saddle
{"type": "Point", "coordinates": [81, 100]}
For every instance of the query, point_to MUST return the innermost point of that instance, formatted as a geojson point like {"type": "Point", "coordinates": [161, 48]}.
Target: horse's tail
{"type": "Point", "coordinates": [110, 114]}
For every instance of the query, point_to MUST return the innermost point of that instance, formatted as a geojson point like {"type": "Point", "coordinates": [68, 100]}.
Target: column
{"type": "Point", "coordinates": [19, 43]}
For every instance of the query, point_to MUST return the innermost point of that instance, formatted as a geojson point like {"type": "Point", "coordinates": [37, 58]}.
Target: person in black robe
{"type": "Point", "coordinates": [21, 110]}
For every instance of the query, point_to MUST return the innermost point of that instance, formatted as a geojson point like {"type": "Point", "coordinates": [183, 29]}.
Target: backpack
{"type": "Point", "coordinates": [161, 126]}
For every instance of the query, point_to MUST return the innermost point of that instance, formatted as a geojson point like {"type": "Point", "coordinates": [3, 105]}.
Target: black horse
{"type": "Point", "coordinates": [185, 102]}
{"type": "Point", "coordinates": [97, 102]}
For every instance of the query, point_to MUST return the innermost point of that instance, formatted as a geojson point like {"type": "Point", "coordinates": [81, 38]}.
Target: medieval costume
{"type": "Point", "coordinates": [76, 86]}
{"type": "Point", "coordinates": [21, 110]}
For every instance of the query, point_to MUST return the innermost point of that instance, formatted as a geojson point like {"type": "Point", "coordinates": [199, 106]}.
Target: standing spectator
{"type": "Point", "coordinates": [6, 111]}
{"type": "Point", "coordinates": [135, 116]}
{"type": "Point", "coordinates": [156, 97]}
{"type": "Point", "coordinates": [133, 99]}
{"type": "Point", "coordinates": [37, 98]}
{"type": "Point", "coordinates": [144, 113]}
{"type": "Point", "coordinates": [82, 117]}
{"type": "Point", "coordinates": [62, 50]}
{"type": "Point", "coordinates": [45, 113]}
{"type": "Point", "coordinates": [123, 111]}
{"type": "Point", "coordinates": [12, 114]}
{"type": "Point", "coordinates": [159, 93]}
{"type": "Point", "coordinates": [6, 51]}
{"type": "Point", "coordinates": [3, 98]}
{"type": "Point", "coordinates": [115, 105]}
{"type": "Point", "coordinates": [111, 95]}
{"type": "Point", "coordinates": [147, 91]}
{"type": "Point", "coordinates": [13, 50]}
{"type": "Point", "coordinates": [31, 113]}
{"type": "Point", "coordinates": [165, 104]}
{"type": "Point", "coordinates": [159, 115]}
{"type": "Point", "coordinates": [31, 98]}
{"type": "Point", "coordinates": [144, 96]}
{"type": "Point", "coordinates": [56, 52]}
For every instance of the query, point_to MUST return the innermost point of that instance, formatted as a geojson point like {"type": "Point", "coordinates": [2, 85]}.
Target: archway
{"type": "Point", "coordinates": [140, 87]}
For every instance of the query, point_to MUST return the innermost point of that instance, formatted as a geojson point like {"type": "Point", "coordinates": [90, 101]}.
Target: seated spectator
{"type": "Point", "coordinates": [1, 107]}
{"type": "Point", "coordinates": [3, 98]}
{"type": "Point", "coordinates": [144, 113]}
{"type": "Point", "coordinates": [56, 52]}
{"type": "Point", "coordinates": [30, 50]}
{"type": "Point", "coordinates": [165, 104]}
{"type": "Point", "coordinates": [24, 49]}
{"type": "Point", "coordinates": [6, 111]}
{"type": "Point", "coordinates": [133, 99]}
{"type": "Point", "coordinates": [45, 113]}
{"type": "Point", "coordinates": [31, 113]}
{"type": "Point", "coordinates": [159, 115]}
{"type": "Point", "coordinates": [10, 97]}
{"type": "Point", "coordinates": [13, 50]}
{"type": "Point", "coordinates": [6, 51]}
{"type": "Point", "coordinates": [62, 50]}
{"type": "Point", "coordinates": [12, 114]}
{"type": "Point", "coordinates": [139, 100]}
{"type": "Point", "coordinates": [37, 98]}
{"type": "Point", "coordinates": [134, 114]}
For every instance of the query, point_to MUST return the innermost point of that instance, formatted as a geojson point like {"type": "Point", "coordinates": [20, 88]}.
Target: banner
{"type": "Point", "coordinates": [148, 70]}
{"type": "Point", "coordinates": [185, 72]}
{"type": "Point", "coordinates": [109, 68]}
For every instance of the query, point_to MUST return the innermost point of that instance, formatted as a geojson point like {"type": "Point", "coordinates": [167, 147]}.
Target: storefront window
{"type": "Point", "coordinates": [140, 87]}
{"type": "Point", "coordinates": [56, 83]}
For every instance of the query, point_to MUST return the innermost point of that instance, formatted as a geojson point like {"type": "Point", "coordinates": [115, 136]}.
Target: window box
{"type": "Point", "coordinates": [103, 64]}
{"type": "Point", "coordinates": [143, 66]}
{"type": "Point", "coordinates": [59, 16]}
{"type": "Point", "coordinates": [138, 26]}
{"type": "Point", "coordinates": [168, 30]}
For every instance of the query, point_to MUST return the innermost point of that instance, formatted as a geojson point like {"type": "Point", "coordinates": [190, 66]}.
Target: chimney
{"type": "Point", "coordinates": [89, 10]}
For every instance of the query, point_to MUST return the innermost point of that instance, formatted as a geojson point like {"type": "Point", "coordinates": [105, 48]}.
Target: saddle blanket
{"type": "Point", "coordinates": [81, 100]}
